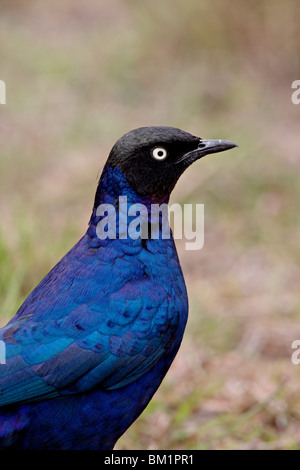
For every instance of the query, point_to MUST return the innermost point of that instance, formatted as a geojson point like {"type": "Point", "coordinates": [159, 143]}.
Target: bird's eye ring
{"type": "Point", "coordinates": [159, 153]}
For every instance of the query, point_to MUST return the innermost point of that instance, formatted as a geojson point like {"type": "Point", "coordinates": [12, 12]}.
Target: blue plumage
{"type": "Point", "coordinates": [91, 344]}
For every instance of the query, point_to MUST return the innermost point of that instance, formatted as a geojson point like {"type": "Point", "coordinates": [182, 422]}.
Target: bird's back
{"type": "Point", "coordinates": [81, 367]}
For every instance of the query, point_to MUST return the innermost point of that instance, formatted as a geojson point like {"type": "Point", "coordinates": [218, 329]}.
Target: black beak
{"type": "Point", "coordinates": [206, 147]}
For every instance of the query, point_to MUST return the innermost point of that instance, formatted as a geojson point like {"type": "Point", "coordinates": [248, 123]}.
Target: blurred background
{"type": "Point", "coordinates": [79, 74]}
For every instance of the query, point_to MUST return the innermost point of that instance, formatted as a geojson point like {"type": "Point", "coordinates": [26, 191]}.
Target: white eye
{"type": "Point", "coordinates": [159, 153]}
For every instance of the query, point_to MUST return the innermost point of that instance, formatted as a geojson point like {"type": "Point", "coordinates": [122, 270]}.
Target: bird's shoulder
{"type": "Point", "coordinates": [104, 322]}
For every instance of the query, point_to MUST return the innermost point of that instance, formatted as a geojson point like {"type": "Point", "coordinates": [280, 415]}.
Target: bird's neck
{"type": "Point", "coordinates": [115, 195]}
{"type": "Point", "coordinates": [113, 184]}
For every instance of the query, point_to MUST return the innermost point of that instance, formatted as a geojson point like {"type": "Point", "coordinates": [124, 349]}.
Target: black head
{"type": "Point", "coordinates": [153, 158]}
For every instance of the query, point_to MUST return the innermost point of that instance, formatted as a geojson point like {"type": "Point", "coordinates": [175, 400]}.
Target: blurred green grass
{"type": "Point", "coordinates": [78, 76]}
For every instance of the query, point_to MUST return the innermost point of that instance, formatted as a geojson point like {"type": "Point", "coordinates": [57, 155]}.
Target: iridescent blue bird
{"type": "Point", "coordinates": [91, 344]}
